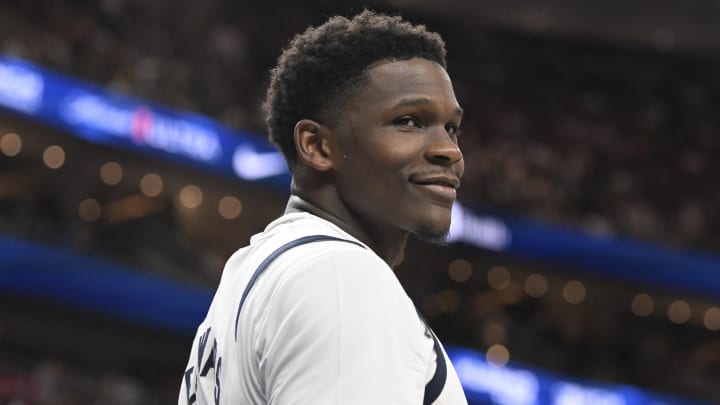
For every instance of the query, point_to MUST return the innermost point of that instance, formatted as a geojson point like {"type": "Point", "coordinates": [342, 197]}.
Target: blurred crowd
{"type": "Point", "coordinates": [613, 141]}
{"type": "Point", "coordinates": [55, 382]}
{"type": "Point", "coordinates": [616, 143]}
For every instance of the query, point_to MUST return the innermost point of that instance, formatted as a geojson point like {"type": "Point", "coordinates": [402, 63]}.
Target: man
{"type": "Point", "coordinates": [366, 116]}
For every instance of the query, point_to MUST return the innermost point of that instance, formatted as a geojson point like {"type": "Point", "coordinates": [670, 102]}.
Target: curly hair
{"type": "Point", "coordinates": [322, 66]}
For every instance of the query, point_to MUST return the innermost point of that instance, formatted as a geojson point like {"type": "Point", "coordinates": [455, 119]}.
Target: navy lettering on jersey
{"type": "Point", "coordinates": [205, 363]}
{"type": "Point", "coordinates": [210, 363]}
{"type": "Point", "coordinates": [189, 373]}
{"type": "Point", "coordinates": [217, 381]}
{"type": "Point", "coordinates": [201, 347]}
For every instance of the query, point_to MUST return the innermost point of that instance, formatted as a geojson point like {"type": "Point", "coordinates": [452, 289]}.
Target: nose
{"type": "Point", "coordinates": [443, 149]}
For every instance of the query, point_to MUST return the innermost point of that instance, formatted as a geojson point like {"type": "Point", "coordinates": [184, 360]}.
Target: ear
{"type": "Point", "coordinates": [312, 142]}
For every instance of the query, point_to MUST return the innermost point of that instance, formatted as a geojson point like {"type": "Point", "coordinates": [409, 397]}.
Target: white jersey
{"type": "Point", "coordinates": [327, 323]}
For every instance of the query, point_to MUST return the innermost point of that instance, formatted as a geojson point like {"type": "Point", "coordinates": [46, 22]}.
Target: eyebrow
{"type": "Point", "coordinates": [421, 101]}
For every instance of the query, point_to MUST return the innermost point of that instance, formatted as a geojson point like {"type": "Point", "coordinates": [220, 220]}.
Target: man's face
{"type": "Point", "coordinates": [397, 161]}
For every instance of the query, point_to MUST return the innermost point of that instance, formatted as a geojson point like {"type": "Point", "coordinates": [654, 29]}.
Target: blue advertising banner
{"type": "Point", "coordinates": [97, 115]}
{"type": "Point", "coordinates": [613, 258]}
{"type": "Point", "coordinates": [488, 384]}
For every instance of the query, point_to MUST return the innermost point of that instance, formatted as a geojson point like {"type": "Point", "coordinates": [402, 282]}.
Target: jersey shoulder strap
{"type": "Point", "coordinates": [437, 382]}
{"type": "Point", "coordinates": [274, 255]}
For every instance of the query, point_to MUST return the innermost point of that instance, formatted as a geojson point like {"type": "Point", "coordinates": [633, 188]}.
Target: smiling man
{"type": "Point", "coordinates": [311, 311]}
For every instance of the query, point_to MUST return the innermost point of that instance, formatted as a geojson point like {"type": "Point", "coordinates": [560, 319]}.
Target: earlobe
{"type": "Point", "coordinates": [312, 144]}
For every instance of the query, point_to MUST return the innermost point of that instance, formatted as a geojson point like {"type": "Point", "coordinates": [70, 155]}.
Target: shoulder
{"type": "Point", "coordinates": [331, 264]}
{"type": "Point", "coordinates": [310, 274]}
{"type": "Point", "coordinates": [340, 284]}
{"type": "Point", "coordinates": [331, 277]}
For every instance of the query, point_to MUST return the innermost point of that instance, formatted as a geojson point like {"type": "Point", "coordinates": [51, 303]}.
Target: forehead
{"type": "Point", "coordinates": [392, 81]}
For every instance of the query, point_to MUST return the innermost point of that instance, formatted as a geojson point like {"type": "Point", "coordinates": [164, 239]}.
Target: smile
{"type": "Point", "coordinates": [444, 191]}
{"type": "Point", "coordinates": [445, 180]}
{"type": "Point", "coordinates": [443, 187]}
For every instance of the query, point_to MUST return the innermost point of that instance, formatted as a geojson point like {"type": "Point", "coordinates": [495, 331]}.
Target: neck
{"type": "Point", "coordinates": [389, 245]}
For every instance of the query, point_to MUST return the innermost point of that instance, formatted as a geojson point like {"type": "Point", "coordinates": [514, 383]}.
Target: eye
{"type": "Point", "coordinates": [452, 129]}
{"type": "Point", "coordinates": [409, 122]}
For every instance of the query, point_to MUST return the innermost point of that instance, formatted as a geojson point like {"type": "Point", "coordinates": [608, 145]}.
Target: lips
{"type": "Point", "coordinates": [439, 180]}
{"type": "Point", "coordinates": [441, 187]}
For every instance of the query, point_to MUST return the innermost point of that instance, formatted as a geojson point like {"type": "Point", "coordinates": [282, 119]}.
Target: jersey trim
{"type": "Point", "coordinates": [265, 263]}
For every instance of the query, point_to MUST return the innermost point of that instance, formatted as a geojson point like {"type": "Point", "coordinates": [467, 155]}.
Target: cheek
{"type": "Point", "coordinates": [381, 161]}
{"type": "Point", "coordinates": [372, 179]}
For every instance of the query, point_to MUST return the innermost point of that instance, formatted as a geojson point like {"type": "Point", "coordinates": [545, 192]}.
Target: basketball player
{"type": "Point", "coordinates": [311, 311]}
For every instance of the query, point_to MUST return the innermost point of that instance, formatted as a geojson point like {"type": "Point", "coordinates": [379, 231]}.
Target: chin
{"type": "Point", "coordinates": [435, 234]}
{"type": "Point", "coordinates": [430, 224]}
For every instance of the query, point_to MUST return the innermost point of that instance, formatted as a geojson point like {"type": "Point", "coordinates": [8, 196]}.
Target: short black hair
{"type": "Point", "coordinates": [322, 65]}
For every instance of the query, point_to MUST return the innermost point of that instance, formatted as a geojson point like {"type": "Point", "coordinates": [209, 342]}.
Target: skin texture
{"type": "Point", "coordinates": [389, 163]}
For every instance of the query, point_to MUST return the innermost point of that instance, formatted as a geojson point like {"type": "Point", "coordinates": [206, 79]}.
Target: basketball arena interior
{"type": "Point", "coordinates": [583, 263]}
